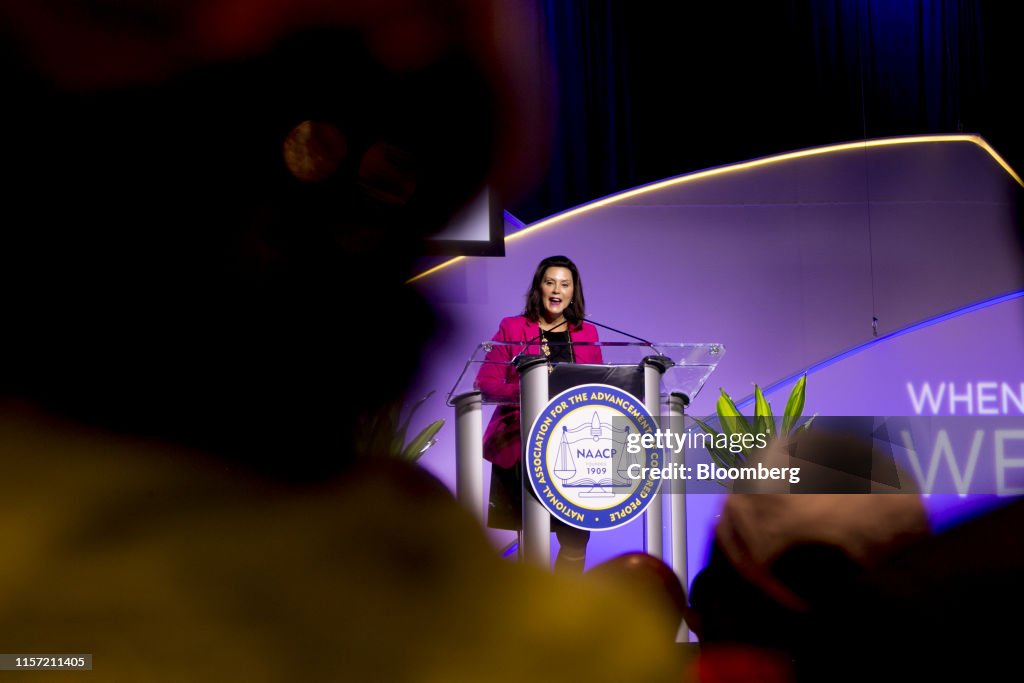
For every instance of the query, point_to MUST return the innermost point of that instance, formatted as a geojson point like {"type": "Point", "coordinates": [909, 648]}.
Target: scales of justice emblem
{"type": "Point", "coordinates": [592, 456]}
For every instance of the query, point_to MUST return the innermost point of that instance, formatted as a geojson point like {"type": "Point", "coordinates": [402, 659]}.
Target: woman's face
{"type": "Point", "coordinates": [556, 291]}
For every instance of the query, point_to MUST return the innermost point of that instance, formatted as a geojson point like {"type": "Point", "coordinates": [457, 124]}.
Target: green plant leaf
{"type": "Point", "coordinates": [795, 405]}
{"type": "Point", "coordinates": [404, 426]}
{"type": "Point", "coordinates": [723, 458]}
{"type": "Point", "coordinates": [375, 433]}
{"type": "Point", "coordinates": [423, 440]}
{"type": "Point", "coordinates": [732, 421]}
{"type": "Point", "coordinates": [806, 426]}
{"type": "Point", "coordinates": [764, 422]}
{"type": "Point", "coordinates": [392, 430]}
{"type": "Point", "coordinates": [704, 425]}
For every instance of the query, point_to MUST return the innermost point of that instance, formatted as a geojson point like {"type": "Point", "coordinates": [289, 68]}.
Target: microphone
{"type": "Point", "coordinates": [537, 338]}
{"type": "Point", "coordinates": [612, 329]}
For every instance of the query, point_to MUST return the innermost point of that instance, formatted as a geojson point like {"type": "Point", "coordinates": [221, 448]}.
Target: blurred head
{"type": "Point", "coordinates": [183, 236]}
{"type": "Point", "coordinates": [556, 290]}
{"type": "Point", "coordinates": [643, 573]}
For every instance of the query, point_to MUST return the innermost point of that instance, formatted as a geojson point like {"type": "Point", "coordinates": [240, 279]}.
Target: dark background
{"type": "Point", "coordinates": [650, 90]}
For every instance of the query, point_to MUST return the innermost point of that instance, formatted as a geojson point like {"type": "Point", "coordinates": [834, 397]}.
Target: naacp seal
{"type": "Point", "coordinates": [577, 460]}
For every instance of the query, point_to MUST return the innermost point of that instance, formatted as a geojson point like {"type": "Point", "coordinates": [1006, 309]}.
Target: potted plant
{"type": "Point", "coordinates": [384, 433]}
{"type": "Point", "coordinates": [733, 422]}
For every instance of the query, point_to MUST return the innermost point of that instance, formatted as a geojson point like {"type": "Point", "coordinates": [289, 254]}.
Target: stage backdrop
{"type": "Point", "coordinates": [789, 262]}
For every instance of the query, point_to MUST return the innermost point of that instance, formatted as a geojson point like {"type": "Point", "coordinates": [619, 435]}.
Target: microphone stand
{"type": "Point", "coordinates": [537, 338]}
{"type": "Point", "coordinates": [625, 334]}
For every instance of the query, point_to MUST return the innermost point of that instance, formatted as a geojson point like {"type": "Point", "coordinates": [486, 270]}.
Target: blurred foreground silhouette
{"type": "Point", "coordinates": [211, 208]}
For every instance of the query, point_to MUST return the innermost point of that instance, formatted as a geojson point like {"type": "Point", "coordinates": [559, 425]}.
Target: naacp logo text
{"type": "Point", "coordinates": [577, 459]}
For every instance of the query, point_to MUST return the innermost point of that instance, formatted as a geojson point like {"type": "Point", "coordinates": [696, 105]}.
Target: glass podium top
{"type": "Point", "coordinates": [491, 370]}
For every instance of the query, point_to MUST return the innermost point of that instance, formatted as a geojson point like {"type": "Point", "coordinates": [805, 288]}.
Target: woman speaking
{"type": "Point", "coordinates": [552, 323]}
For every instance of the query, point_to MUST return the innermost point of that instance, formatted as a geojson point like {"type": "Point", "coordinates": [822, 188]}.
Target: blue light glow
{"type": "Point", "coordinates": [749, 400]}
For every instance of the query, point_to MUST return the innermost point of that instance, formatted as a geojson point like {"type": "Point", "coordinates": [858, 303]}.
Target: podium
{"type": "Point", "coordinates": [664, 377]}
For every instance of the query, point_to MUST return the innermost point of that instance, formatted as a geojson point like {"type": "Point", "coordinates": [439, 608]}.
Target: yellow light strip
{"type": "Point", "coordinates": [439, 266]}
{"type": "Point", "coordinates": [980, 142]}
{"type": "Point", "coordinates": [732, 168]}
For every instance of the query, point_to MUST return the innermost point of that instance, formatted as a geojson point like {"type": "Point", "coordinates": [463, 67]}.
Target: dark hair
{"type": "Point", "coordinates": [576, 310]}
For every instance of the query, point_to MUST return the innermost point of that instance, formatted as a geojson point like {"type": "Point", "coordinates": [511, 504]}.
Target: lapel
{"type": "Point", "coordinates": [533, 336]}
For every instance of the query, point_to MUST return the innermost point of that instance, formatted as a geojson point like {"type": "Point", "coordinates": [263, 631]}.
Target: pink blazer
{"type": "Point", "coordinates": [499, 381]}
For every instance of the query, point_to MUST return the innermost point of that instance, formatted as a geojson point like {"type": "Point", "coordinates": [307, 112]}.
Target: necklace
{"type": "Point", "coordinates": [546, 350]}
